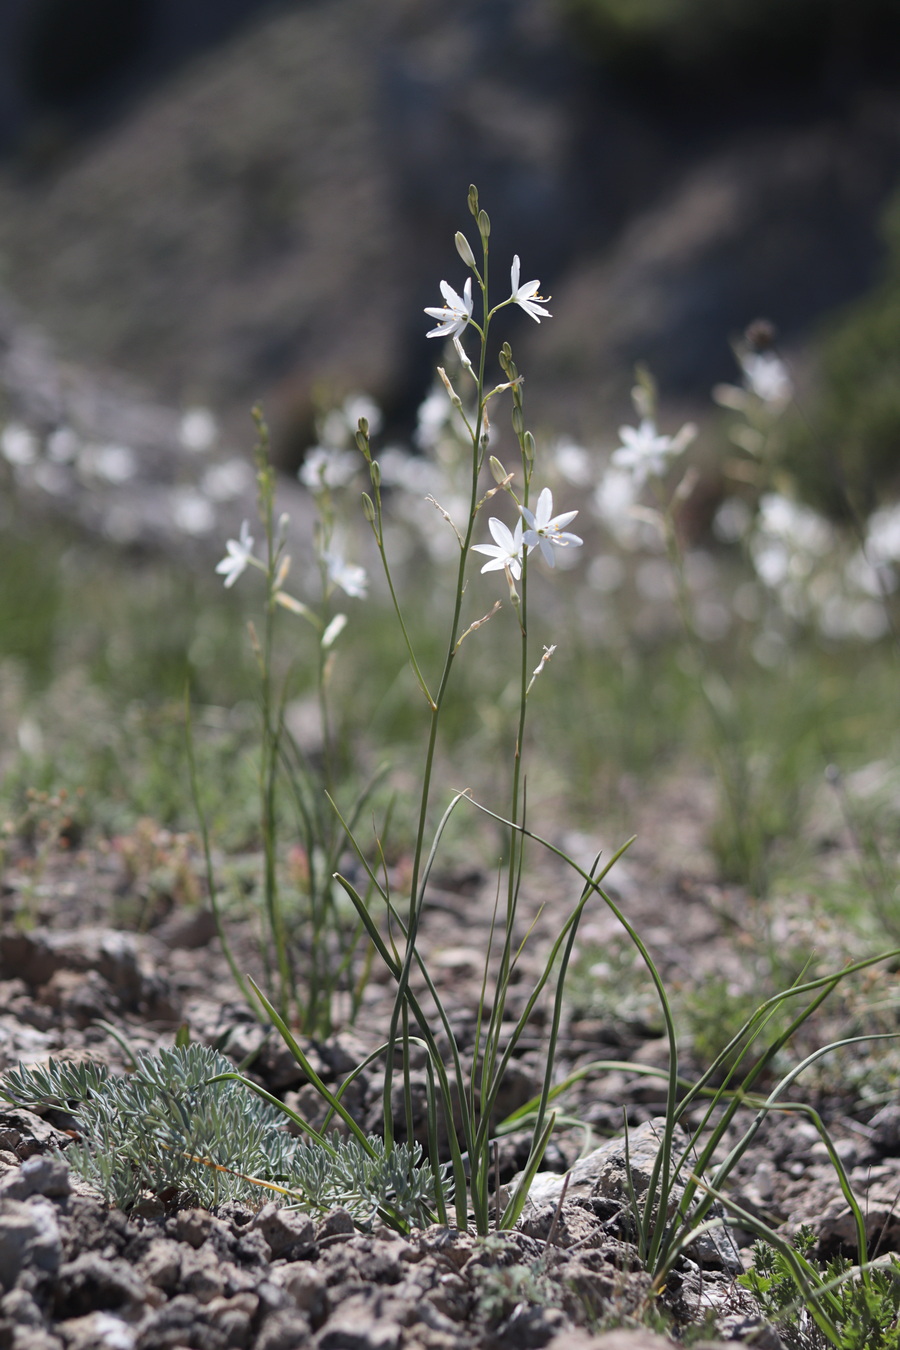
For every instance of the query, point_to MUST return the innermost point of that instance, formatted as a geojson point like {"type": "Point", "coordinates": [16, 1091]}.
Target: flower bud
{"type": "Point", "coordinates": [498, 473]}
{"type": "Point", "coordinates": [518, 419]}
{"type": "Point", "coordinates": [362, 443]}
{"type": "Point", "coordinates": [484, 224]}
{"type": "Point", "coordinates": [528, 447]}
{"type": "Point", "coordinates": [464, 250]}
{"type": "Point", "coordinates": [334, 630]}
{"type": "Point", "coordinates": [368, 508]}
{"type": "Point", "coordinates": [473, 199]}
{"type": "Point", "coordinates": [375, 473]}
{"type": "Point", "coordinates": [363, 425]}
{"type": "Point", "coordinates": [454, 396]}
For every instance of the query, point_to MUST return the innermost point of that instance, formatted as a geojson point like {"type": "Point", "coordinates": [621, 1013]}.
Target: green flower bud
{"type": "Point", "coordinates": [375, 473]}
{"type": "Point", "coordinates": [518, 419]}
{"type": "Point", "coordinates": [528, 447]}
{"type": "Point", "coordinates": [368, 508]}
{"type": "Point", "coordinates": [484, 224]}
{"type": "Point", "coordinates": [463, 249]}
{"type": "Point", "coordinates": [473, 199]}
{"type": "Point", "coordinates": [498, 472]}
{"type": "Point", "coordinates": [362, 443]}
{"type": "Point", "coordinates": [363, 425]}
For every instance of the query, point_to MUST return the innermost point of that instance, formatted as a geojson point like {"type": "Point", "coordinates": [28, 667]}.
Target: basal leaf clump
{"type": "Point", "coordinates": [168, 1131]}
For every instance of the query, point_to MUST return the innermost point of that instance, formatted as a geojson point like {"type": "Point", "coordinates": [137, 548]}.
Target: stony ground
{"type": "Point", "coordinates": [75, 1275]}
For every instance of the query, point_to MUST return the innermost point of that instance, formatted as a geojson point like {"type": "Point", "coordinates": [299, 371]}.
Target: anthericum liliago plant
{"type": "Point", "coordinates": [678, 1201]}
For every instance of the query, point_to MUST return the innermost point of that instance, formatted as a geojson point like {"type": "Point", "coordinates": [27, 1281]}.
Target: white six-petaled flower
{"type": "Point", "coordinates": [526, 295]}
{"type": "Point", "coordinates": [240, 553]}
{"type": "Point", "coordinates": [546, 531]}
{"type": "Point", "coordinates": [351, 578]}
{"type": "Point", "coordinates": [644, 452]}
{"type": "Point", "coordinates": [507, 549]}
{"type": "Point", "coordinates": [454, 314]}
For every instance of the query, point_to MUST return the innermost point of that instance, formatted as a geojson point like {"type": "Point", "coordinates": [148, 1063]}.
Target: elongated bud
{"type": "Point", "coordinates": [283, 569]}
{"type": "Point", "coordinates": [484, 224]}
{"type": "Point", "coordinates": [464, 250]}
{"type": "Point", "coordinates": [362, 443]}
{"type": "Point", "coordinates": [368, 508]}
{"type": "Point", "coordinates": [498, 473]}
{"type": "Point", "coordinates": [518, 419]}
{"type": "Point", "coordinates": [528, 447]}
{"type": "Point", "coordinates": [375, 473]}
{"type": "Point", "coordinates": [334, 630]}
{"type": "Point", "coordinates": [454, 396]}
{"type": "Point", "coordinates": [473, 199]}
{"type": "Point", "coordinates": [363, 426]}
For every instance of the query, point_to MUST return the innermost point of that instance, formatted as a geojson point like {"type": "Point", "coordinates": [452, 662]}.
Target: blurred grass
{"type": "Point", "coordinates": [96, 652]}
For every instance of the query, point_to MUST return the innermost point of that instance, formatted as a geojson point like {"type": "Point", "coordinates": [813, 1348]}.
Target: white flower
{"type": "Point", "coordinates": [883, 534]}
{"type": "Point", "coordinates": [327, 467]}
{"type": "Point", "coordinates": [192, 511]}
{"type": "Point", "coordinates": [546, 530]}
{"type": "Point", "coordinates": [197, 429]}
{"type": "Point", "coordinates": [454, 314]}
{"type": "Point", "coordinates": [643, 451]}
{"type": "Point", "coordinates": [18, 445]}
{"type": "Point", "coordinates": [240, 552]}
{"type": "Point", "coordinates": [766, 376]}
{"type": "Point", "coordinates": [526, 295]}
{"type": "Point", "coordinates": [350, 577]}
{"type": "Point", "coordinates": [507, 549]}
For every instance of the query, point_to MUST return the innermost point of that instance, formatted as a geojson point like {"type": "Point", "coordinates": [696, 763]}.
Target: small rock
{"type": "Point", "coordinates": [94, 1283]}
{"type": "Point", "coordinates": [285, 1330]}
{"type": "Point", "coordinates": [29, 1235]}
{"type": "Point", "coordinates": [338, 1223]}
{"type": "Point", "coordinates": [356, 1325]}
{"type": "Point", "coordinates": [202, 1275]}
{"type": "Point", "coordinates": [31, 1132]}
{"type": "Point", "coordinates": [160, 1264]}
{"type": "Point", "coordinates": [886, 1126]}
{"type": "Point", "coordinates": [35, 1338]}
{"type": "Point", "coordinates": [41, 1174]}
{"type": "Point", "coordinates": [305, 1286]}
{"type": "Point", "coordinates": [286, 1231]}
{"type": "Point", "coordinates": [19, 1307]}
{"type": "Point", "coordinates": [98, 1331]}
{"type": "Point", "coordinates": [193, 1226]}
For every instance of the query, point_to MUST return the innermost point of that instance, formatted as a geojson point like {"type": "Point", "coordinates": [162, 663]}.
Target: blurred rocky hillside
{"type": "Point", "coordinates": [257, 200]}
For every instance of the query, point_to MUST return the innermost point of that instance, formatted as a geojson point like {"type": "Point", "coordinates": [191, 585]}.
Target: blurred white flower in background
{"type": "Point", "coordinates": [338, 427]}
{"type": "Point", "coordinates": [328, 467]}
{"type": "Point", "coordinates": [572, 462]}
{"type": "Point", "coordinates": [115, 464]}
{"type": "Point", "coordinates": [239, 554]}
{"type": "Point", "coordinates": [63, 445]}
{"type": "Point", "coordinates": [351, 578]}
{"type": "Point", "coordinates": [645, 452]}
{"type": "Point", "coordinates": [883, 534]}
{"type": "Point", "coordinates": [192, 511]}
{"type": "Point", "coordinates": [227, 481]}
{"type": "Point", "coordinates": [197, 429]}
{"type": "Point", "coordinates": [18, 445]}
